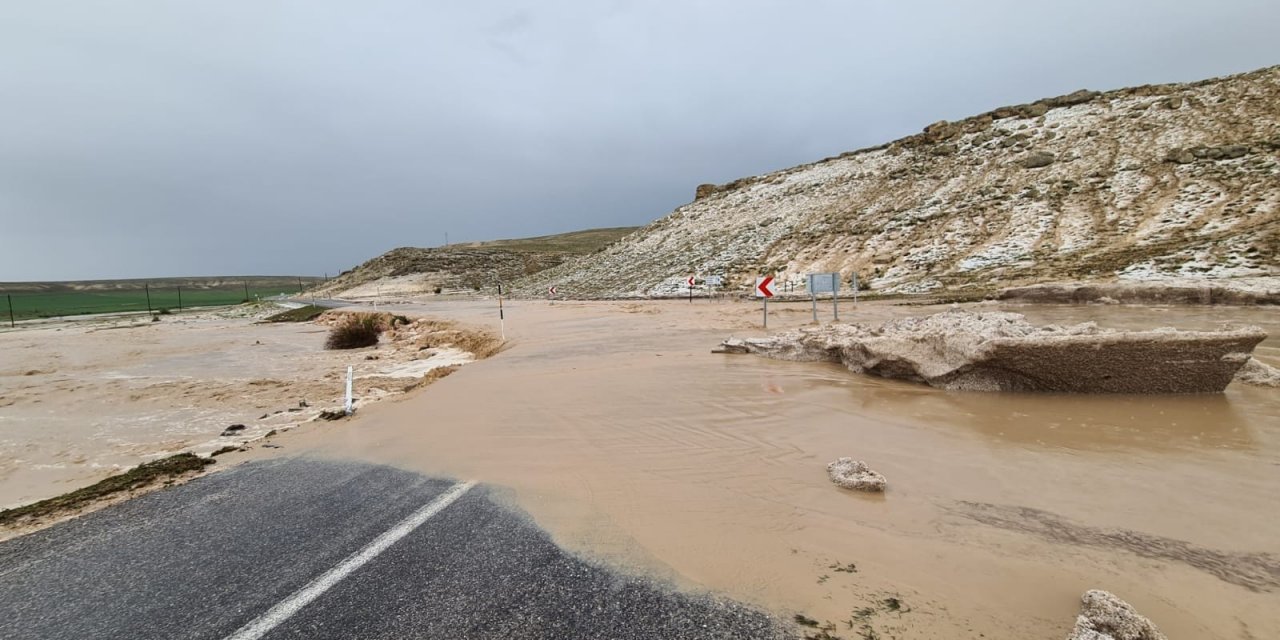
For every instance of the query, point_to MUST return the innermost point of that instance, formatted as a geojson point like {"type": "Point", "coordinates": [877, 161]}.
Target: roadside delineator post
{"type": "Point", "coordinates": [502, 320]}
{"type": "Point", "coordinates": [350, 406]}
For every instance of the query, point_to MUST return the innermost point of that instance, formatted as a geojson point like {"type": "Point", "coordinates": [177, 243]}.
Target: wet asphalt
{"type": "Point", "coordinates": [207, 558]}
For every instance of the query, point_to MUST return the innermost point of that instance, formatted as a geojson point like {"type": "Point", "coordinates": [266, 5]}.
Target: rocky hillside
{"type": "Point", "coordinates": [466, 267]}
{"type": "Point", "coordinates": [1170, 181]}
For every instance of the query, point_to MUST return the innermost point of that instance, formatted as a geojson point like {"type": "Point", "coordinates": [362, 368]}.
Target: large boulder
{"type": "Point", "coordinates": [1103, 616]}
{"type": "Point", "coordinates": [996, 351]}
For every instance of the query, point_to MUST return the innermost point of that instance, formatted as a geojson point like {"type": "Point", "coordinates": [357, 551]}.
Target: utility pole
{"type": "Point", "coordinates": [179, 298]}
{"type": "Point", "coordinates": [299, 284]}
{"type": "Point", "coordinates": [10, 297]}
{"type": "Point", "coordinates": [147, 288]}
{"type": "Point", "coordinates": [246, 290]}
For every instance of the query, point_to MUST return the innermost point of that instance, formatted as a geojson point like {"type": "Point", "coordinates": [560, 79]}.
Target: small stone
{"type": "Point", "coordinates": [1235, 151]}
{"type": "Point", "coordinates": [1037, 160]}
{"type": "Point", "coordinates": [705, 190]}
{"type": "Point", "coordinates": [855, 474]}
{"type": "Point", "coordinates": [232, 430]}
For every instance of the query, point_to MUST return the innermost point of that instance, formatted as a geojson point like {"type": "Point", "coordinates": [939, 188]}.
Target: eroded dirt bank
{"type": "Point", "coordinates": [614, 425]}
{"type": "Point", "coordinates": [82, 400]}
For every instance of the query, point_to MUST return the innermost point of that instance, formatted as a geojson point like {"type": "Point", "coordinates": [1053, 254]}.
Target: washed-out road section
{"type": "Point", "coordinates": [304, 548]}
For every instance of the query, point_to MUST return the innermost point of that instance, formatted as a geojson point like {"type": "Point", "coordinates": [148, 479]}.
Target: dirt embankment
{"type": "Point", "coordinates": [1264, 291]}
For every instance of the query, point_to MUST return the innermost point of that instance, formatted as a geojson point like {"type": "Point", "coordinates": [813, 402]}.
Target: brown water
{"type": "Point", "coordinates": [619, 431]}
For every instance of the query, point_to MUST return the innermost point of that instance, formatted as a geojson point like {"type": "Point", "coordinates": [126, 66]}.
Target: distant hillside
{"type": "Point", "coordinates": [468, 266]}
{"type": "Point", "coordinates": [1170, 181]}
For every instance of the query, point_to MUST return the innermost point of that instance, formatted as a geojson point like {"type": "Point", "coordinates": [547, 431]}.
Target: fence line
{"type": "Point", "coordinates": [144, 298]}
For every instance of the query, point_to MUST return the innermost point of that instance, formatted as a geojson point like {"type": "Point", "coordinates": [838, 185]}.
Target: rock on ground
{"type": "Point", "coordinates": [855, 474]}
{"type": "Point", "coordinates": [997, 351]}
{"type": "Point", "coordinates": [1103, 616]}
{"type": "Point", "coordinates": [1258, 373]}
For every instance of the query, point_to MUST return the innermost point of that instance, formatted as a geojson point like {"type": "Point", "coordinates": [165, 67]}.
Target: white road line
{"type": "Point", "coordinates": [302, 597]}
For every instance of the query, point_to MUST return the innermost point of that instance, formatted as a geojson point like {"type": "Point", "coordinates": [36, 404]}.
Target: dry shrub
{"type": "Point", "coordinates": [353, 333]}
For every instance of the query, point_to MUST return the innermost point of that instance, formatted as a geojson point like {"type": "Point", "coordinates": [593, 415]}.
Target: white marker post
{"type": "Point", "coordinates": [350, 406]}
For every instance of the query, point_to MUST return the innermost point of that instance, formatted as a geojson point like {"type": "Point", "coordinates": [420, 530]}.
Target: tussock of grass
{"type": "Point", "coordinates": [354, 332]}
{"type": "Point", "coordinates": [301, 314]}
{"type": "Point", "coordinates": [136, 478]}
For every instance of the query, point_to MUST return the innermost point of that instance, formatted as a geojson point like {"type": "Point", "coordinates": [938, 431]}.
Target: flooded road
{"type": "Point", "coordinates": [618, 430]}
{"type": "Point", "coordinates": [614, 425]}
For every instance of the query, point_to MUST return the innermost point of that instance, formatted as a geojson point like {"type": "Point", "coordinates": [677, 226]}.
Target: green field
{"type": "Point", "coordinates": [48, 300]}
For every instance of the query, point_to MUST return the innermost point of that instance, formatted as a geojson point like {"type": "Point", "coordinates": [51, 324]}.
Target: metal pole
{"type": "Point", "coordinates": [813, 297]}
{"type": "Point", "coordinates": [855, 289]}
{"type": "Point", "coordinates": [835, 298]}
{"type": "Point", "coordinates": [146, 287]}
{"type": "Point", "coordinates": [766, 312]}
{"type": "Point", "coordinates": [10, 297]}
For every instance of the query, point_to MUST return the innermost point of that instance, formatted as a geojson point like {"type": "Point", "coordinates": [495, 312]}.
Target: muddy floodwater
{"type": "Point", "coordinates": [614, 426]}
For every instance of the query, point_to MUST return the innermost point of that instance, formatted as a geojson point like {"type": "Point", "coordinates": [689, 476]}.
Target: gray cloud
{"type": "Point", "coordinates": [151, 138]}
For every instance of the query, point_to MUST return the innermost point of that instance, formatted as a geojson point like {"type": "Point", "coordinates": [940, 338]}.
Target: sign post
{"type": "Point", "coordinates": [713, 284]}
{"type": "Point", "coordinates": [764, 289]}
{"type": "Point", "coordinates": [821, 283]}
{"type": "Point", "coordinates": [551, 293]}
{"type": "Point", "coordinates": [813, 298]}
{"type": "Point", "coordinates": [690, 282]}
{"type": "Point", "coordinates": [855, 288]}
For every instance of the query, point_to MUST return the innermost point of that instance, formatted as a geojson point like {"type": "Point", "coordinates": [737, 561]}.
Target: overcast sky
{"type": "Point", "coordinates": [239, 137]}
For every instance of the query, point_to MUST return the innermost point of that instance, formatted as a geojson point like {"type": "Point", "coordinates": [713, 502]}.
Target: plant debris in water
{"type": "Point", "coordinates": [301, 314]}
{"type": "Point", "coordinates": [143, 475]}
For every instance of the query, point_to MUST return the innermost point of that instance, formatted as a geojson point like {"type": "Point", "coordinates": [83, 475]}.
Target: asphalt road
{"type": "Point", "coordinates": [237, 554]}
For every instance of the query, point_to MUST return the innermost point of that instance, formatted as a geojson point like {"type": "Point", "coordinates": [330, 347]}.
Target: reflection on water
{"type": "Point", "coordinates": [1103, 422]}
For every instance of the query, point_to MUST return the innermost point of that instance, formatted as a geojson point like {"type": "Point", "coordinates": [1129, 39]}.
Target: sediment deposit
{"type": "Point", "coordinates": [999, 351]}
